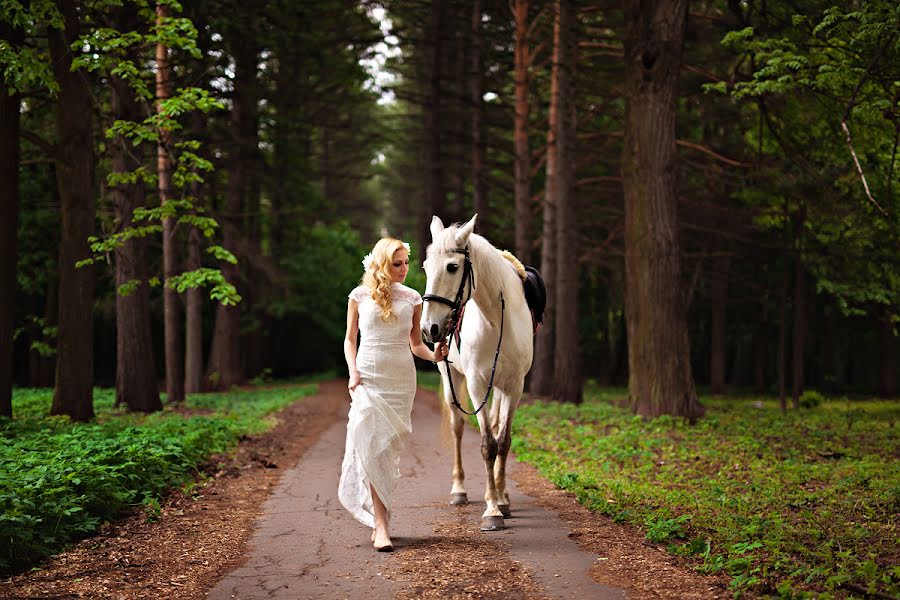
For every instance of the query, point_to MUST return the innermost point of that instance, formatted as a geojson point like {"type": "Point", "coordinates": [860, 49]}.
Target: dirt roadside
{"type": "Point", "coordinates": [268, 524]}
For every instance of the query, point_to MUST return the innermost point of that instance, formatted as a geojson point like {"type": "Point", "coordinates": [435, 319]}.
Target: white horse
{"type": "Point", "coordinates": [492, 283]}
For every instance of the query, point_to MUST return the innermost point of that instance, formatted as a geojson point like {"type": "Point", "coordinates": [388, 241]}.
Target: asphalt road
{"type": "Point", "coordinates": [307, 546]}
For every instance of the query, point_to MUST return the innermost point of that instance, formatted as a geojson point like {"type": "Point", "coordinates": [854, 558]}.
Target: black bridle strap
{"type": "Point", "coordinates": [493, 367]}
{"type": "Point", "coordinates": [457, 307]}
{"type": "Point", "coordinates": [468, 276]}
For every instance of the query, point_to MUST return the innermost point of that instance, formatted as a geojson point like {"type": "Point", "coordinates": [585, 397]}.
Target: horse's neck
{"type": "Point", "coordinates": [491, 274]}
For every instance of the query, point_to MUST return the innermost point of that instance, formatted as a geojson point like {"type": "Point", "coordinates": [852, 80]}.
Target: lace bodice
{"type": "Point", "coordinates": [377, 331]}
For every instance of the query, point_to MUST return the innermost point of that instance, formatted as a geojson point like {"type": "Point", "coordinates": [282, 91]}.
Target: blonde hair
{"type": "Point", "coordinates": [378, 277]}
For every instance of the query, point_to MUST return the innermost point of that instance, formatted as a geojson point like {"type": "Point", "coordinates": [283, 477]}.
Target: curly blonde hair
{"type": "Point", "coordinates": [378, 277]}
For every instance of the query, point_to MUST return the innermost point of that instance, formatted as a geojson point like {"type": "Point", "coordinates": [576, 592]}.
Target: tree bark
{"type": "Point", "coordinates": [9, 219]}
{"type": "Point", "coordinates": [782, 336]}
{"type": "Point", "coordinates": [73, 394]}
{"type": "Point", "coordinates": [798, 361]}
{"type": "Point", "coordinates": [567, 364]}
{"type": "Point", "coordinates": [193, 354]}
{"type": "Point", "coordinates": [660, 379]}
{"type": "Point", "coordinates": [888, 360]}
{"type": "Point", "coordinates": [174, 344]}
{"type": "Point", "coordinates": [542, 381]}
{"type": "Point", "coordinates": [479, 181]}
{"type": "Point", "coordinates": [760, 348]}
{"type": "Point", "coordinates": [522, 185]}
{"type": "Point", "coordinates": [42, 369]}
{"type": "Point", "coordinates": [718, 339]}
{"type": "Point", "coordinates": [224, 367]}
{"type": "Point", "coordinates": [435, 196]}
{"type": "Point", "coordinates": [136, 385]}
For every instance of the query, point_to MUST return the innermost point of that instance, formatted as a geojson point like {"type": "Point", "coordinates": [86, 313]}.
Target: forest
{"type": "Point", "coordinates": [187, 191]}
{"type": "Point", "coordinates": [187, 188]}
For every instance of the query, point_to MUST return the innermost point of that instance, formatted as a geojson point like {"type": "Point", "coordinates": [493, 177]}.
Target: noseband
{"type": "Point", "coordinates": [457, 308]}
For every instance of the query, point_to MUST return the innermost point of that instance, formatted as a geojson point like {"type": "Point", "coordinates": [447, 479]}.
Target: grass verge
{"type": "Point", "coordinates": [61, 480]}
{"type": "Point", "coordinates": [798, 505]}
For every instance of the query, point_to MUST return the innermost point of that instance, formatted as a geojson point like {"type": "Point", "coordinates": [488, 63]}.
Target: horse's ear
{"type": "Point", "coordinates": [437, 226]}
{"type": "Point", "coordinates": [463, 233]}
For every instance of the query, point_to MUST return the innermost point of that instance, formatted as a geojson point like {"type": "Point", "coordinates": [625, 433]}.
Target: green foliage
{"type": "Point", "coordinates": [60, 480]}
{"type": "Point", "coordinates": [323, 264]}
{"type": "Point", "coordinates": [811, 399]}
{"type": "Point", "coordinates": [803, 502]}
{"type": "Point", "coordinates": [815, 68]}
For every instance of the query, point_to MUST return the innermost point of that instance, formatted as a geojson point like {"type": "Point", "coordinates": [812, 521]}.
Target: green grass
{"type": "Point", "coordinates": [798, 505]}
{"type": "Point", "coordinates": [61, 480]}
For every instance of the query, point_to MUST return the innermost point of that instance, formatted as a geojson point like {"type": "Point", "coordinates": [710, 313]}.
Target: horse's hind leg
{"type": "Point", "coordinates": [457, 425]}
{"type": "Point", "coordinates": [504, 438]}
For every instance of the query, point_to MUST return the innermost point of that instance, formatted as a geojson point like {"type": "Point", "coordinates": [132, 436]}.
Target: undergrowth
{"type": "Point", "coordinates": [61, 480]}
{"type": "Point", "coordinates": [798, 505]}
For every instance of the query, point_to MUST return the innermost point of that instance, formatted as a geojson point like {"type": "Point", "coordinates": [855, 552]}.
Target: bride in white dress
{"type": "Point", "coordinates": [382, 384]}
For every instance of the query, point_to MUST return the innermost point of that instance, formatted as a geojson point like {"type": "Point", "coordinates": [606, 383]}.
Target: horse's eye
{"type": "Point", "coordinates": [451, 268]}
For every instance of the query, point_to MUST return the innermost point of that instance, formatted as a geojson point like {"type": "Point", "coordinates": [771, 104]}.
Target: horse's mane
{"type": "Point", "coordinates": [446, 242]}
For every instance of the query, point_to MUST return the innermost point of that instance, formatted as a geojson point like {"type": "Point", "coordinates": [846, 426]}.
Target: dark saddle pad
{"type": "Point", "coordinates": [535, 293]}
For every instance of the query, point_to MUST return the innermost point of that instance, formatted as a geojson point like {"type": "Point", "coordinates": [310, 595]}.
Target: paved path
{"type": "Point", "coordinates": [307, 546]}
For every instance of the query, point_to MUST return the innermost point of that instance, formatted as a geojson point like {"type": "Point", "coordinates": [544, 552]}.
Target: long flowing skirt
{"type": "Point", "coordinates": [377, 427]}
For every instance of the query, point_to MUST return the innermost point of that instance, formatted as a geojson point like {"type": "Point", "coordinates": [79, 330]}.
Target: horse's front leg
{"type": "Point", "coordinates": [492, 519]}
{"type": "Point", "coordinates": [457, 425]}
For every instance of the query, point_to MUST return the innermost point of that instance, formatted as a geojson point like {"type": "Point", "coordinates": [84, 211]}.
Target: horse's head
{"type": "Point", "coordinates": [446, 272]}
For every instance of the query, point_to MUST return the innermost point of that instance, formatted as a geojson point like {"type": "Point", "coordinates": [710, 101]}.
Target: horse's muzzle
{"type": "Point", "coordinates": [432, 334]}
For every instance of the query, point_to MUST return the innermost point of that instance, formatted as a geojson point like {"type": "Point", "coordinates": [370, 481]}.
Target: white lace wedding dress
{"type": "Point", "coordinates": [379, 419]}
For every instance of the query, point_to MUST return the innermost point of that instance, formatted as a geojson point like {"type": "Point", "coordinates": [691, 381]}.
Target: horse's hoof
{"type": "Point", "coordinates": [504, 508]}
{"type": "Point", "coordinates": [492, 523]}
{"type": "Point", "coordinates": [459, 498]}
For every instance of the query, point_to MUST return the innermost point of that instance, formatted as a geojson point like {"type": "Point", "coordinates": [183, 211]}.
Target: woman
{"type": "Point", "coordinates": [382, 384]}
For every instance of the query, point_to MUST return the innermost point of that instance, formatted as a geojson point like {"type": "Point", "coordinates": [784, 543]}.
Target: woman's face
{"type": "Point", "coordinates": [399, 266]}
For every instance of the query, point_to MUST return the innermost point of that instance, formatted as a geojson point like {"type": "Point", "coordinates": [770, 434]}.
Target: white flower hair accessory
{"type": "Point", "coordinates": [367, 261]}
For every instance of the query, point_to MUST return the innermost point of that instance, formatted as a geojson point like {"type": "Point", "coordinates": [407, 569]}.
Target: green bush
{"type": "Point", "coordinates": [61, 480]}
{"type": "Point", "coordinates": [811, 399]}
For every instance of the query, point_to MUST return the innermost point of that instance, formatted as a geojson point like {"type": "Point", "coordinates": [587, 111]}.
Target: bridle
{"type": "Point", "coordinates": [457, 308]}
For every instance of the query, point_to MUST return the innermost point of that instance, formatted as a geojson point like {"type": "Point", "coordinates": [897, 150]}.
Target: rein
{"type": "Point", "coordinates": [457, 307]}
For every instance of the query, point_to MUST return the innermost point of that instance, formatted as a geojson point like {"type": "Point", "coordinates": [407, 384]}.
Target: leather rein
{"type": "Point", "coordinates": [458, 306]}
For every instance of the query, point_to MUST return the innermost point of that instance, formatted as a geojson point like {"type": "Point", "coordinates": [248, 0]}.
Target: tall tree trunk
{"type": "Point", "coordinates": [42, 369]}
{"type": "Point", "coordinates": [760, 348]}
{"type": "Point", "coordinates": [193, 352]}
{"type": "Point", "coordinates": [798, 361]}
{"type": "Point", "coordinates": [9, 220]}
{"type": "Point", "coordinates": [567, 363]}
{"type": "Point", "coordinates": [435, 197]}
{"type": "Point", "coordinates": [136, 385]}
{"type": "Point", "coordinates": [659, 357]}
{"type": "Point", "coordinates": [888, 360]}
{"type": "Point", "coordinates": [73, 394]}
{"type": "Point", "coordinates": [782, 336]}
{"type": "Point", "coordinates": [718, 339]}
{"type": "Point", "coordinates": [522, 185]}
{"type": "Point", "coordinates": [174, 345]}
{"type": "Point", "coordinates": [479, 181]}
{"type": "Point", "coordinates": [224, 368]}
{"type": "Point", "coordinates": [542, 372]}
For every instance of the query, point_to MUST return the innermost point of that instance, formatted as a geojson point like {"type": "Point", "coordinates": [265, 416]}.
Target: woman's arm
{"type": "Point", "coordinates": [416, 344]}
{"type": "Point", "coordinates": [350, 343]}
